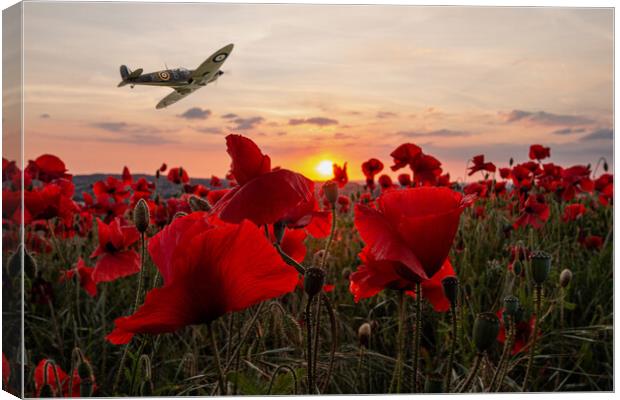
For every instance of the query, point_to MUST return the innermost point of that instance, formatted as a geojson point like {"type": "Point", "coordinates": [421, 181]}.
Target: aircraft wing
{"type": "Point", "coordinates": [175, 96]}
{"type": "Point", "coordinates": [211, 65]}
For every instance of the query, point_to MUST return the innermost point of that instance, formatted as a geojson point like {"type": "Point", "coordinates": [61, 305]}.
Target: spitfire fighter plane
{"type": "Point", "coordinates": [182, 80]}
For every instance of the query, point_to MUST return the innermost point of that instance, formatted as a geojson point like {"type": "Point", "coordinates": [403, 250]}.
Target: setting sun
{"type": "Point", "coordinates": [325, 168]}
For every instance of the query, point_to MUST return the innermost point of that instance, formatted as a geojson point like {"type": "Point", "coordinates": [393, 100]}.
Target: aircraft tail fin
{"type": "Point", "coordinates": [127, 75]}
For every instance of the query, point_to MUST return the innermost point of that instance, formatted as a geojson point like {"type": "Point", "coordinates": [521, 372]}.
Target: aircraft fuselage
{"type": "Point", "coordinates": [168, 77]}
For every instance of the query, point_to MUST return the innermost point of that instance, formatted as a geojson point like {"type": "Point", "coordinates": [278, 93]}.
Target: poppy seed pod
{"type": "Point", "coordinates": [346, 273]}
{"type": "Point", "coordinates": [278, 231]}
{"type": "Point", "coordinates": [199, 204]}
{"type": "Point", "coordinates": [330, 189]}
{"type": "Point", "coordinates": [313, 281]}
{"type": "Point", "coordinates": [517, 268]}
{"type": "Point", "coordinates": [565, 277]}
{"type": "Point", "coordinates": [451, 289]}
{"type": "Point", "coordinates": [511, 305]}
{"type": "Point", "coordinates": [541, 265]}
{"type": "Point", "coordinates": [486, 328]}
{"type": "Point", "coordinates": [141, 216]}
{"type": "Point", "coordinates": [363, 334]}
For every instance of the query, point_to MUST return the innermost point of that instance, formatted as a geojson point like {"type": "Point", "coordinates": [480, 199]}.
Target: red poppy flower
{"type": "Point", "coordinates": [178, 175]}
{"type": "Point", "coordinates": [426, 169]}
{"type": "Point", "coordinates": [480, 165]}
{"type": "Point", "coordinates": [504, 173]}
{"type": "Point", "coordinates": [538, 152]}
{"type": "Point", "coordinates": [50, 201]}
{"type": "Point", "coordinates": [404, 180]}
{"type": "Point", "coordinates": [371, 168]}
{"type": "Point", "coordinates": [116, 260]}
{"type": "Point", "coordinates": [235, 264]}
{"type": "Point", "coordinates": [46, 168]}
{"type": "Point", "coordinates": [444, 180]}
{"type": "Point", "coordinates": [385, 182]}
{"type": "Point", "coordinates": [535, 212]}
{"type": "Point", "coordinates": [373, 276]}
{"type": "Point", "coordinates": [591, 242]}
{"type": "Point", "coordinates": [127, 178]}
{"type": "Point", "coordinates": [522, 334]}
{"type": "Point", "coordinates": [405, 154]}
{"type": "Point", "coordinates": [112, 187]}
{"type": "Point", "coordinates": [415, 227]}
{"type": "Point", "coordinates": [6, 371]}
{"type": "Point", "coordinates": [198, 190]}
{"type": "Point", "coordinates": [215, 181]}
{"type": "Point", "coordinates": [85, 274]}
{"type": "Point", "coordinates": [573, 211]}
{"type": "Point", "coordinates": [344, 202]}
{"type": "Point", "coordinates": [262, 196]}
{"type": "Point", "coordinates": [215, 195]}
{"type": "Point", "coordinates": [340, 175]}
{"type": "Point", "coordinates": [576, 179]}
{"type": "Point", "coordinates": [63, 380]}
{"type": "Point", "coordinates": [163, 167]}
{"type": "Point", "coordinates": [476, 188]}
{"type": "Point", "coordinates": [41, 291]}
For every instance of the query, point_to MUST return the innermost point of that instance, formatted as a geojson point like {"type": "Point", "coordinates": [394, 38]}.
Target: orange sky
{"type": "Point", "coordinates": [311, 83]}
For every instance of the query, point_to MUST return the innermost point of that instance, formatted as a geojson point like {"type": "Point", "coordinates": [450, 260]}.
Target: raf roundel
{"type": "Point", "coordinates": [164, 75]}
{"type": "Point", "coordinates": [220, 57]}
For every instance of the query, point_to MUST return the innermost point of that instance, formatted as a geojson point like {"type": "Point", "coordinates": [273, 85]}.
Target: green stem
{"type": "Point", "coordinates": [417, 335]}
{"type": "Point", "coordinates": [448, 377]}
{"type": "Point", "coordinates": [472, 373]}
{"type": "Point", "coordinates": [330, 238]}
{"type": "Point", "coordinates": [530, 362]}
{"type": "Point", "coordinates": [510, 343]}
{"type": "Point", "coordinates": [216, 356]}
{"type": "Point", "coordinates": [505, 352]}
{"type": "Point", "coordinates": [140, 275]}
{"type": "Point", "coordinates": [334, 338]}
{"type": "Point", "coordinates": [398, 369]}
{"type": "Point", "coordinates": [309, 344]}
{"type": "Point", "coordinates": [287, 259]}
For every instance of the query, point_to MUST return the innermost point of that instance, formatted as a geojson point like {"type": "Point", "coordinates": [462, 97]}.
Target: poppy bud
{"type": "Point", "coordinates": [363, 334]}
{"type": "Point", "coordinates": [565, 277]}
{"type": "Point", "coordinates": [330, 189]}
{"type": "Point", "coordinates": [511, 305]}
{"type": "Point", "coordinates": [517, 268]}
{"type": "Point", "coordinates": [199, 204]}
{"type": "Point", "coordinates": [605, 166]}
{"type": "Point", "coordinates": [313, 281]}
{"type": "Point", "coordinates": [346, 273]}
{"type": "Point", "coordinates": [434, 384]}
{"type": "Point", "coordinates": [46, 391]}
{"type": "Point", "coordinates": [541, 265]}
{"type": "Point", "coordinates": [451, 289]}
{"type": "Point", "coordinates": [511, 161]}
{"type": "Point", "coordinates": [157, 174]}
{"type": "Point", "coordinates": [141, 216]}
{"type": "Point", "coordinates": [486, 328]}
{"type": "Point", "coordinates": [278, 231]}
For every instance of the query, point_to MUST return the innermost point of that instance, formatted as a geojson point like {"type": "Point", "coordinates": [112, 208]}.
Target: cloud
{"type": "Point", "coordinates": [229, 116]}
{"type": "Point", "coordinates": [545, 118]}
{"type": "Point", "coordinates": [599, 134]}
{"type": "Point", "coordinates": [209, 130]}
{"type": "Point", "coordinates": [436, 133]}
{"type": "Point", "coordinates": [341, 136]}
{"type": "Point", "coordinates": [247, 123]}
{"type": "Point", "coordinates": [568, 131]}
{"type": "Point", "coordinates": [195, 113]}
{"type": "Point", "coordinates": [281, 133]}
{"type": "Point", "coordinates": [319, 121]}
{"type": "Point", "coordinates": [45, 116]}
{"type": "Point", "coordinates": [386, 114]}
{"type": "Point", "coordinates": [132, 133]}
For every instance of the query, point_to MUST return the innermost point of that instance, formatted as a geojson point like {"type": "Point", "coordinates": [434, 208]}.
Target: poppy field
{"type": "Point", "coordinates": [266, 282]}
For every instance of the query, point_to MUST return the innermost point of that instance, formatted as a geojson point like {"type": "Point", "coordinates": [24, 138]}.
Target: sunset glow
{"type": "Point", "coordinates": [325, 168]}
